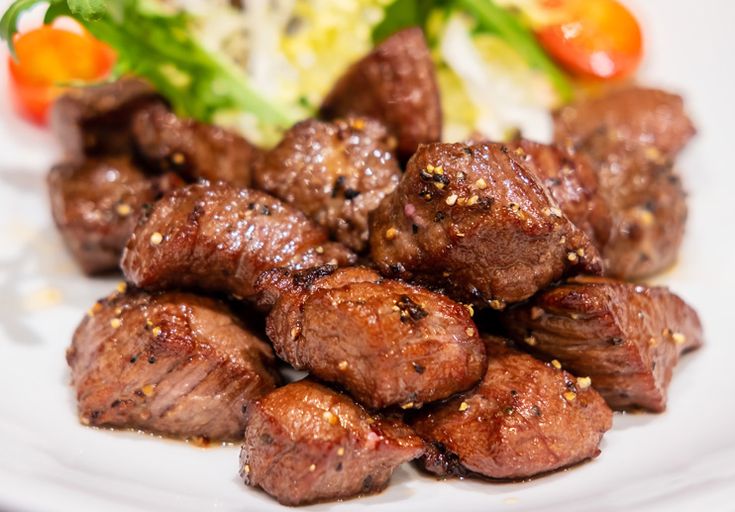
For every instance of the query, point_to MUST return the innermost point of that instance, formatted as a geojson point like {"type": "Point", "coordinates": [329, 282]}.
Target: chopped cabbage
{"type": "Point", "coordinates": [294, 50]}
{"type": "Point", "coordinates": [506, 94]}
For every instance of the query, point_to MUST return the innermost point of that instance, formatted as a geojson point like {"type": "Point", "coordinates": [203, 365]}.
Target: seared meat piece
{"type": "Point", "coordinates": [395, 83]}
{"type": "Point", "coordinates": [474, 222]}
{"type": "Point", "coordinates": [336, 173]}
{"type": "Point", "coordinates": [647, 206]}
{"type": "Point", "coordinates": [96, 120]}
{"type": "Point", "coordinates": [525, 418]}
{"type": "Point", "coordinates": [273, 284]}
{"type": "Point", "coordinates": [572, 183]}
{"type": "Point", "coordinates": [626, 337]}
{"type": "Point", "coordinates": [193, 149]}
{"type": "Point", "coordinates": [172, 363]}
{"type": "Point", "coordinates": [386, 342]}
{"type": "Point", "coordinates": [96, 204]}
{"type": "Point", "coordinates": [630, 138]}
{"type": "Point", "coordinates": [640, 117]}
{"type": "Point", "coordinates": [220, 238]}
{"type": "Point", "coordinates": [306, 443]}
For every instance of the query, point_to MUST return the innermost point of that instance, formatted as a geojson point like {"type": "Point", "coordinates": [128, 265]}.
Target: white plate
{"type": "Point", "coordinates": [673, 461]}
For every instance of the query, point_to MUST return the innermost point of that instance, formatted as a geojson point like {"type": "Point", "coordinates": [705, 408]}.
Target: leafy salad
{"type": "Point", "coordinates": [501, 64]}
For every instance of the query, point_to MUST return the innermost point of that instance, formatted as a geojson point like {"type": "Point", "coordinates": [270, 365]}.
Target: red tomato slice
{"type": "Point", "coordinates": [593, 38]}
{"type": "Point", "coordinates": [49, 56]}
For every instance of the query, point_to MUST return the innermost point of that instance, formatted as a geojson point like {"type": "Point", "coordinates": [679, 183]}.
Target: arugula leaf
{"type": "Point", "coordinates": [55, 10]}
{"type": "Point", "coordinates": [402, 14]}
{"type": "Point", "coordinates": [88, 9]}
{"type": "Point", "coordinates": [9, 21]}
{"type": "Point", "coordinates": [508, 26]}
{"type": "Point", "coordinates": [158, 45]}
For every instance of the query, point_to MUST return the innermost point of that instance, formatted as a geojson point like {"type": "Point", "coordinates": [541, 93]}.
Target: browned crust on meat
{"type": "Point", "coordinates": [626, 337]}
{"type": "Point", "coordinates": [336, 173]}
{"type": "Point", "coordinates": [193, 149]}
{"type": "Point", "coordinates": [306, 443]}
{"type": "Point", "coordinates": [482, 228]}
{"type": "Point", "coordinates": [630, 138]}
{"type": "Point", "coordinates": [396, 84]}
{"type": "Point", "coordinates": [96, 204]}
{"type": "Point", "coordinates": [219, 238]}
{"type": "Point", "coordinates": [95, 120]}
{"type": "Point", "coordinates": [386, 342]}
{"type": "Point", "coordinates": [170, 363]}
{"type": "Point", "coordinates": [524, 419]}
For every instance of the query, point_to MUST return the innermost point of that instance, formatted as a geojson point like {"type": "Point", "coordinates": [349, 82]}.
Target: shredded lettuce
{"type": "Point", "coordinates": [494, 77]}
{"type": "Point", "coordinates": [506, 95]}
{"type": "Point", "coordinates": [262, 68]}
{"type": "Point", "coordinates": [489, 17]}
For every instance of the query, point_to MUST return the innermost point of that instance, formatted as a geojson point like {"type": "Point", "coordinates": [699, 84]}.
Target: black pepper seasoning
{"type": "Point", "coordinates": [339, 183]}
{"type": "Point", "coordinates": [351, 193]}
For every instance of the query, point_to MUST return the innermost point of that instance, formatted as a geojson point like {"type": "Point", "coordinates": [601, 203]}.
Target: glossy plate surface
{"type": "Point", "coordinates": [675, 461]}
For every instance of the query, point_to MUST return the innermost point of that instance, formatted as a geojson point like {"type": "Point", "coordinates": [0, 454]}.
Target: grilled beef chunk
{"type": "Point", "coordinates": [474, 222]}
{"type": "Point", "coordinates": [647, 206]}
{"type": "Point", "coordinates": [306, 443]}
{"type": "Point", "coordinates": [220, 238]}
{"type": "Point", "coordinates": [630, 138]}
{"type": "Point", "coordinates": [395, 83]}
{"type": "Point", "coordinates": [96, 204]}
{"type": "Point", "coordinates": [525, 418]}
{"type": "Point", "coordinates": [336, 173]}
{"type": "Point", "coordinates": [172, 363]}
{"type": "Point", "coordinates": [640, 117]}
{"type": "Point", "coordinates": [386, 342]}
{"type": "Point", "coordinates": [626, 337]}
{"type": "Point", "coordinates": [572, 183]}
{"type": "Point", "coordinates": [96, 120]}
{"type": "Point", "coordinates": [193, 149]}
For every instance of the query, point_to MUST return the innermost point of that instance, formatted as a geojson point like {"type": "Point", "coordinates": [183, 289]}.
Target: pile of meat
{"type": "Point", "coordinates": [370, 249]}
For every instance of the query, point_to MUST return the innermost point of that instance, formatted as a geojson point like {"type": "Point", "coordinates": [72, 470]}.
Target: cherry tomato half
{"type": "Point", "coordinates": [47, 58]}
{"type": "Point", "coordinates": [593, 38]}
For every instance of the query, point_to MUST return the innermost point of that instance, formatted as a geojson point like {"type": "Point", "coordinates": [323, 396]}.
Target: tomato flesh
{"type": "Point", "coordinates": [49, 57]}
{"type": "Point", "coordinates": [593, 38]}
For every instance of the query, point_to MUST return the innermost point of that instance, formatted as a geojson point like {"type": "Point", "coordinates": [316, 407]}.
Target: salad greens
{"type": "Point", "coordinates": [157, 44]}
{"type": "Point", "coordinates": [489, 18]}
{"type": "Point", "coordinates": [508, 26]}
{"type": "Point", "coordinates": [165, 45]}
{"type": "Point", "coordinates": [403, 14]}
